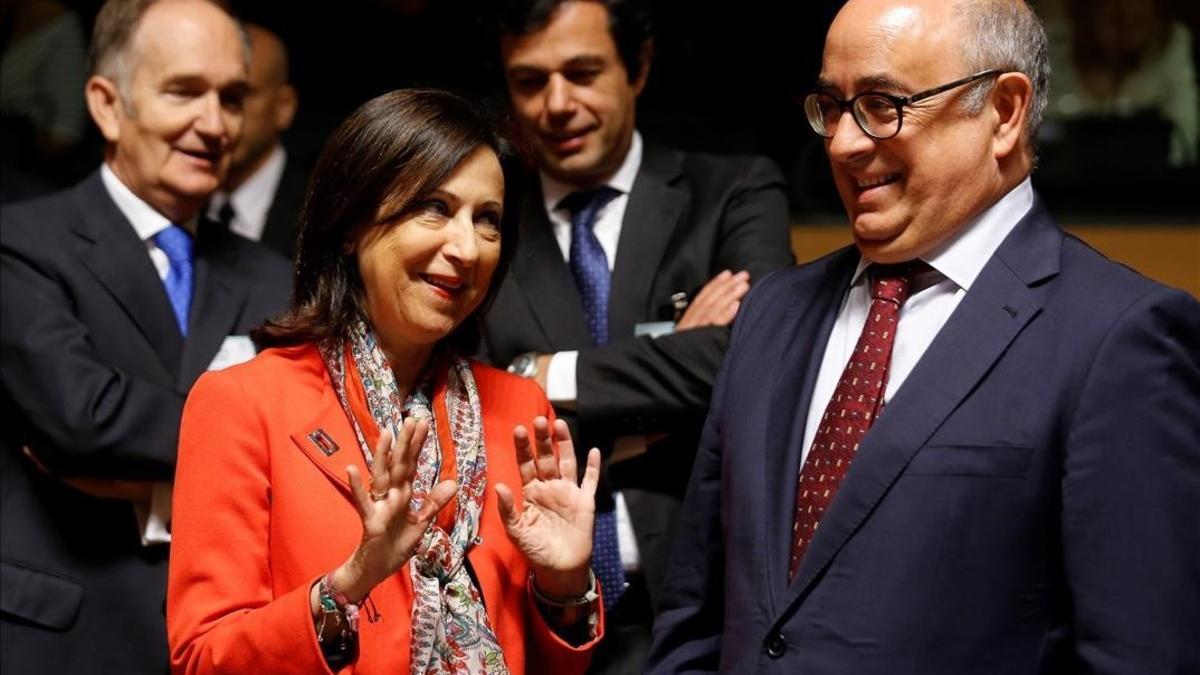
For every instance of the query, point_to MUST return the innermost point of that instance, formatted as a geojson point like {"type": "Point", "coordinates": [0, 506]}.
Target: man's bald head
{"type": "Point", "coordinates": [1002, 34]}
{"type": "Point", "coordinates": [268, 57]}
{"type": "Point", "coordinates": [956, 149]}
{"type": "Point", "coordinates": [270, 105]}
{"type": "Point", "coordinates": [113, 53]}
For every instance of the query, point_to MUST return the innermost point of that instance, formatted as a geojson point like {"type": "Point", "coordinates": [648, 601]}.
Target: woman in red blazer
{"type": "Point", "coordinates": [346, 500]}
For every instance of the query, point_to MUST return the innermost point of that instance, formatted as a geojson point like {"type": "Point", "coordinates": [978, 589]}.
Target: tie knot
{"type": "Point", "coordinates": [226, 214]}
{"type": "Point", "coordinates": [176, 243]}
{"type": "Point", "coordinates": [584, 204]}
{"type": "Point", "coordinates": [894, 282]}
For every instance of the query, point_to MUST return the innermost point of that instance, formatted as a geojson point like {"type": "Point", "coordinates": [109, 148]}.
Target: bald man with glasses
{"type": "Point", "coordinates": [966, 444]}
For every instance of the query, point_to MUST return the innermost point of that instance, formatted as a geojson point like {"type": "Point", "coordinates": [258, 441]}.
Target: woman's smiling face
{"type": "Point", "coordinates": [424, 273]}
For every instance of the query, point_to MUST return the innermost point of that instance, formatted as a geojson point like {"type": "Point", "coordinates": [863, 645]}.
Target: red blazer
{"type": "Point", "coordinates": [260, 512]}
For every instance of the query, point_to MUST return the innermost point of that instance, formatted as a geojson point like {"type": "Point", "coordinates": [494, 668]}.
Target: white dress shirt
{"type": "Point", "coordinates": [152, 518]}
{"type": "Point", "coordinates": [146, 221]}
{"type": "Point", "coordinates": [253, 198]}
{"type": "Point", "coordinates": [560, 374]}
{"type": "Point", "coordinates": [957, 262]}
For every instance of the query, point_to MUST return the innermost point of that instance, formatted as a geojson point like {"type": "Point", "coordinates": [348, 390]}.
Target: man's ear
{"type": "Point", "coordinates": [286, 101]}
{"type": "Point", "coordinates": [105, 105]}
{"type": "Point", "coordinates": [644, 57]}
{"type": "Point", "coordinates": [1010, 100]}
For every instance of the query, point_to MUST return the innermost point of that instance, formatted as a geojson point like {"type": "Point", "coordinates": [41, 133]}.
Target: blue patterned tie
{"type": "Point", "coordinates": [606, 558]}
{"type": "Point", "coordinates": [588, 263]}
{"type": "Point", "coordinates": [589, 266]}
{"type": "Point", "coordinates": [177, 244]}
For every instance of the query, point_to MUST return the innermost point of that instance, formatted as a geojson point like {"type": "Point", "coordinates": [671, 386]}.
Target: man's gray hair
{"type": "Point", "coordinates": [1008, 35]}
{"type": "Point", "coordinates": [112, 41]}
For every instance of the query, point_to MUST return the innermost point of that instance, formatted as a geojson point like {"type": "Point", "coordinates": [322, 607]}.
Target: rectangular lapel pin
{"type": "Point", "coordinates": [323, 442]}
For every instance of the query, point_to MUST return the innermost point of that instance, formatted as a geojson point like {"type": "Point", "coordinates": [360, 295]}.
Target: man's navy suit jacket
{"type": "Point", "coordinates": [1027, 502]}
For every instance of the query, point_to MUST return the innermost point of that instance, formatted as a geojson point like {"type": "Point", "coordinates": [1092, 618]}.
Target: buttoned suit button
{"type": "Point", "coordinates": [775, 645]}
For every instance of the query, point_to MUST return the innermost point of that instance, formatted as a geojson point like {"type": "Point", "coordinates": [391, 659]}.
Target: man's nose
{"type": "Point", "coordinates": [558, 95]}
{"type": "Point", "coordinates": [211, 118]}
{"type": "Point", "coordinates": [849, 141]}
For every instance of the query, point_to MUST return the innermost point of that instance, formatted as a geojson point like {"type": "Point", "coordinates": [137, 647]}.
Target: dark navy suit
{"type": "Point", "coordinates": [1027, 502]}
{"type": "Point", "coordinates": [93, 375]}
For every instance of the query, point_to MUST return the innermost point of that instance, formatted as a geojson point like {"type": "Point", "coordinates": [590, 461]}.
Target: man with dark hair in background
{"type": "Point", "coordinates": [967, 444]}
{"type": "Point", "coordinates": [112, 309]}
{"type": "Point", "coordinates": [261, 197]}
{"type": "Point", "coordinates": [632, 260]}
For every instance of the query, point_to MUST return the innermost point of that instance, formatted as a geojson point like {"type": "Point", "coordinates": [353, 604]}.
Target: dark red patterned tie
{"type": "Point", "coordinates": [856, 401]}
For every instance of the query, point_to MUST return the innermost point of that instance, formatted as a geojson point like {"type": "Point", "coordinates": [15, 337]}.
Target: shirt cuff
{"type": "Point", "coordinates": [560, 377]}
{"type": "Point", "coordinates": [626, 536]}
{"type": "Point", "coordinates": [154, 519]}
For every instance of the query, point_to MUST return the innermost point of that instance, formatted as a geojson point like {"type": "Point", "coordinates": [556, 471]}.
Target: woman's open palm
{"type": "Point", "coordinates": [392, 529]}
{"type": "Point", "coordinates": [553, 527]}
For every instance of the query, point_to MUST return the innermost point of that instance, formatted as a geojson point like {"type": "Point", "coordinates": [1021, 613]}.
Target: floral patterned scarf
{"type": "Point", "coordinates": [450, 629]}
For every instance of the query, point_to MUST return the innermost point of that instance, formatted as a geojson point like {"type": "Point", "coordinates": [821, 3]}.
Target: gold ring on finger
{"type": "Point", "coordinates": [378, 496]}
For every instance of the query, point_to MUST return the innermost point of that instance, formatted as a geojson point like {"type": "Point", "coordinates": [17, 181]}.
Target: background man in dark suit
{"type": "Point", "coordinates": [110, 314]}
{"type": "Point", "coordinates": [262, 194]}
{"type": "Point", "coordinates": [1026, 500]}
{"type": "Point", "coordinates": [617, 235]}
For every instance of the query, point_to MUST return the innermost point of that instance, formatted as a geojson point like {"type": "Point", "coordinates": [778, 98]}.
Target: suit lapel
{"type": "Point", "coordinates": [656, 204]}
{"type": "Point", "coordinates": [329, 441]}
{"type": "Point", "coordinates": [807, 326]}
{"type": "Point", "coordinates": [216, 305]}
{"type": "Point", "coordinates": [546, 281]}
{"type": "Point", "coordinates": [1001, 302]}
{"type": "Point", "coordinates": [118, 259]}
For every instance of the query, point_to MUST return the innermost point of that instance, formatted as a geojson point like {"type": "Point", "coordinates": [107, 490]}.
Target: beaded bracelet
{"type": "Point", "coordinates": [336, 608]}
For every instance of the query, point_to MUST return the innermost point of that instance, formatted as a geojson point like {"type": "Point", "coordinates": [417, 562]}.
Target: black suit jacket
{"type": "Point", "coordinates": [688, 217]}
{"type": "Point", "coordinates": [282, 226]}
{"type": "Point", "coordinates": [1026, 503]}
{"type": "Point", "coordinates": [94, 374]}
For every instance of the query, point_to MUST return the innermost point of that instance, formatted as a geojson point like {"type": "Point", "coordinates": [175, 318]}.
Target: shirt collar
{"type": "Point", "coordinates": [553, 190]}
{"type": "Point", "coordinates": [146, 221]}
{"type": "Point", "coordinates": [961, 258]}
{"type": "Point", "coordinates": [252, 199]}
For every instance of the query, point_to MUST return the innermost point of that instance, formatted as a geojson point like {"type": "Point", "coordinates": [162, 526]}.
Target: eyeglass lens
{"type": "Point", "coordinates": [876, 115]}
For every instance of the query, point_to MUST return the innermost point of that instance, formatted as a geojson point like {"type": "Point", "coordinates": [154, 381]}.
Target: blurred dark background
{"type": "Point", "coordinates": [1120, 146]}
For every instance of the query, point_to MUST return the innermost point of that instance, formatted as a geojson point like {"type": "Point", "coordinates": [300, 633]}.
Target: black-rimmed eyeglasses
{"type": "Point", "coordinates": [879, 115]}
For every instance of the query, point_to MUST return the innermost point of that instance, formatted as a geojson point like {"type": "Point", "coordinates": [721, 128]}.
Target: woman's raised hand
{"type": "Point", "coordinates": [391, 528]}
{"type": "Point", "coordinates": [553, 528]}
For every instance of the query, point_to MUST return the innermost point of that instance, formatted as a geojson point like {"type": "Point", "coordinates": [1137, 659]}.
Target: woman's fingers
{"type": "Point", "coordinates": [406, 450]}
{"type": "Point", "coordinates": [546, 462]}
{"type": "Point", "coordinates": [566, 451]}
{"type": "Point", "coordinates": [591, 474]}
{"type": "Point", "coordinates": [416, 441]}
{"type": "Point", "coordinates": [381, 461]}
{"type": "Point", "coordinates": [537, 458]}
{"type": "Point", "coordinates": [524, 454]}
{"type": "Point", "coordinates": [362, 501]}
{"type": "Point", "coordinates": [438, 497]}
{"type": "Point", "coordinates": [395, 465]}
{"type": "Point", "coordinates": [398, 458]}
{"type": "Point", "coordinates": [508, 505]}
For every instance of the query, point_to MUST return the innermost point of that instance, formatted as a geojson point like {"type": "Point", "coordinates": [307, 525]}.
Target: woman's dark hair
{"type": "Point", "coordinates": [388, 154]}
